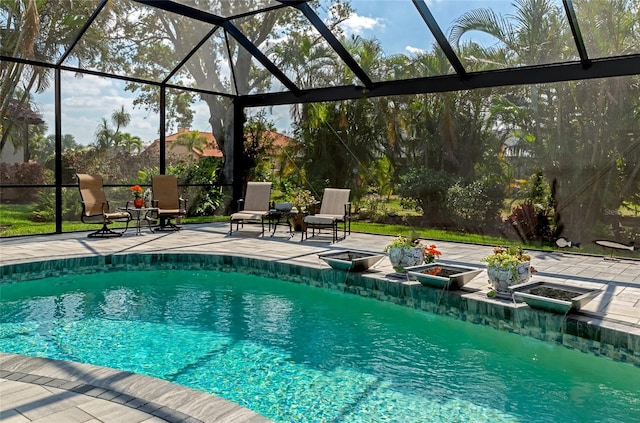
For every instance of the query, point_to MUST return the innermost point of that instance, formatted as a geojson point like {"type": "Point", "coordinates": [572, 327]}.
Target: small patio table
{"type": "Point", "coordinates": [276, 218]}
{"type": "Point", "coordinates": [139, 215]}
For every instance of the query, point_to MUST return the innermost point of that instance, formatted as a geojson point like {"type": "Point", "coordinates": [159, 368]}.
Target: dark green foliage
{"type": "Point", "coordinates": [205, 198]}
{"type": "Point", "coordinates": [22, 174]}
{"type": "Point", "coordinates": [428, 188]}
{"type": "Point", "coordinates": [475, 205]}
{"type": "Point", "coordinates": [45, 207]}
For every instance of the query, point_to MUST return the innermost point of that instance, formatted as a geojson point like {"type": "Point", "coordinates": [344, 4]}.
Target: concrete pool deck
{"type": "Point", "coordinates": [41, 390]}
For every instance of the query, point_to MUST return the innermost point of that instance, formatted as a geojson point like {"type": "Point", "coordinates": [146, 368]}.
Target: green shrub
{"type": "Point", "coordinates": [475, 205]}
{"type": "Point", "coordinates": [207, 198]}
{"type": "Point", "coordinates": [428, 189]}
{"type": "Point", "coordinates": [22, 174]}
{"type": "Point", "coordinates": [45, 207]}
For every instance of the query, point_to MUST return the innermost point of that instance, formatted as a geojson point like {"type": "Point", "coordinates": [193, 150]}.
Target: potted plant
{"type": "Point", "coordinates": [405, 251]}
{"type": "Point", "coordinates": [148, 197]}
{"type": "Point", "coordinates": [302, 201]}
{"type": "Point", "coordinates": [137, 191]}
{"type": "Point", "coordinates": [507, 267]}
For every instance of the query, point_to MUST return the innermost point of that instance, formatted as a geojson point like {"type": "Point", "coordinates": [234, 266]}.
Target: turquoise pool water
{"type": "Point", "coordinates": [300, 354]}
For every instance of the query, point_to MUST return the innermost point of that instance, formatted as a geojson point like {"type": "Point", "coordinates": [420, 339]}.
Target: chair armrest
{"type": "Point", "coordinates": [347, 210]}
{"type": "Point", "coordinates": [241, 204]}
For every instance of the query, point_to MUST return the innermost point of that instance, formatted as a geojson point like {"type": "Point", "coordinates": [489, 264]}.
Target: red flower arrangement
{"type": "Point", "coordinates": [431, 253]}
{"type": "Point", "coordinates": [137, 191]}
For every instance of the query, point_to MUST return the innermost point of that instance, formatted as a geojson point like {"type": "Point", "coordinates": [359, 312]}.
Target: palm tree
{"type": "Point", "coordinates": [578, 133]}
{"type": "Point", "coordinates": [193, 140]}
{"type": "Point", "coordinates": [532, 35]}
{"type": "Point", "coordinates": [104, 135]}
{"type": "Point", "coordinates": [23, 44]}
{"type": "Point", "coordinates": [130, 142]}
{"type": "Point", "coordinates": [41, 30]}
{"type": "Point", "coordinates": [120, 119]}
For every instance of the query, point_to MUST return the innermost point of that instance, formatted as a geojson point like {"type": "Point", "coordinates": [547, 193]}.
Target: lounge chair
{"type": "Point", "coordinates": [254, 208]}
{"type": "Point", "coordinates": [95, 207]}
{"type": "Point", "coordinates": [334, 209]}
{"type": "Point", "coordinates": [169, 203]}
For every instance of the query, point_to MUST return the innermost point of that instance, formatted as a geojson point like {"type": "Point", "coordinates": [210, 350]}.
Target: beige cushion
{"type": "Point", "coordinates": [171, 211]}
{"type": "Point", "coordinates": [256, 202]}
{"type": "Point", "coordinates": [248, 215]}
{"type": "Point", "coordinates": [117, 215]}
{"type": "Point", "coordinates": [323, 219]}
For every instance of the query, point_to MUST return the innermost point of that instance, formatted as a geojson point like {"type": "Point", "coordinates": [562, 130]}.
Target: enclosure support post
{"type": "Point", "coordinates": [58, 149]}
{"type": "Point", "coordinates": [163, 132]}
{"type": "Point", "coordinates": [238, 150]}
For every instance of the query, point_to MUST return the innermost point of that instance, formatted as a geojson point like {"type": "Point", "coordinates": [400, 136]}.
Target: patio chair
{"type": "Point", "coordinates": [334, 209]}
{"type": "Point", "coordinates": [168, 202]}
{"type": "Point", "coordinates": [95, 207]}
{"type": "Point", "coordinates": [254, 208]}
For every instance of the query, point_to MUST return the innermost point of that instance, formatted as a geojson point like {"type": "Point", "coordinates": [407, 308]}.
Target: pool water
{"type": "Point", "coordinates": [295, 353]}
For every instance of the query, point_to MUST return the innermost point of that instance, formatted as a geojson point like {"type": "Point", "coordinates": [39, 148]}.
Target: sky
{"type": "Point", "coordinates": [396, 24]}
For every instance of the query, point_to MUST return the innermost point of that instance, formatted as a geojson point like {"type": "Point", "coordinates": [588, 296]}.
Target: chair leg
{"type": "Point", "coordinates": [167, 225]}
{"type": "Point", "coordinates": [231, 226]}
{"type": "Point", "coordinates": [106, 232]}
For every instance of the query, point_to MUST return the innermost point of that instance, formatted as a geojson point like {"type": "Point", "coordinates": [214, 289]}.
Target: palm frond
{"type": "Point", "coordinates": [484, 20]}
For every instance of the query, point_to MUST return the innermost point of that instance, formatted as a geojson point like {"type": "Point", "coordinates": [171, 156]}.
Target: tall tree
{"type": "Point", "coordinates": [104, 135]}
{"type": "Point", "coordinates": [582, 135]}
{"type": "Point", "coordinates": [159, 40]}
{"type": "Point", "coordinates": [40, 30]}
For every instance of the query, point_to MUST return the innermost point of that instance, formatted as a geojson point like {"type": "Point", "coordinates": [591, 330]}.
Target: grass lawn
{"type": "Point", "coordinates": [14, 221]}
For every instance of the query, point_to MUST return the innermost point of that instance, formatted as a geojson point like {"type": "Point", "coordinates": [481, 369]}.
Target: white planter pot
{"type": "Point", "coordinates": [401, 258]}
{"type": "Point", "coordinates": [502, 279]}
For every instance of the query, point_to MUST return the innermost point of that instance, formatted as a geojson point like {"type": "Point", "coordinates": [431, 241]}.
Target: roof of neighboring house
{"type": "Point", "coordinates": [279, 140]}
{"type": "Point", "coordinates": [212, 150]}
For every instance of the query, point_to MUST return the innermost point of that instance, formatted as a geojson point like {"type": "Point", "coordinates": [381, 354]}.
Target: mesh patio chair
{"type": "Point", "coordinates": [169, 203]}
{"type": "Point", "coordinates": [334, 209]}
{"type": "Point", "coordinates": [254, 208]}
{"type": "Point", "coordinates": [95, 207]}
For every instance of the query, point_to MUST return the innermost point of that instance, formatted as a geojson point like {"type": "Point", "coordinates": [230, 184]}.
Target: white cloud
{"type": "Point", "coordinates": [86, 100]}
{"type": "Point", "coordinates": [415, 50]}
{"type": "Point", "coordinates": [357, 24]}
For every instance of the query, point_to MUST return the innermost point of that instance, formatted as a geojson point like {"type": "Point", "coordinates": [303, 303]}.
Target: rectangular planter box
{"type": "Point", "coordinates": [552, 297]}
{"type": "Point", "coordinates": [351, 261]}
{"type": "Point", "coordinates": [444, 276]}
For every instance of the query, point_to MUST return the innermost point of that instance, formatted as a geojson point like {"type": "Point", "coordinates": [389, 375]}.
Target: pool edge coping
{"type": "Point", "coordinates": [159, 398]}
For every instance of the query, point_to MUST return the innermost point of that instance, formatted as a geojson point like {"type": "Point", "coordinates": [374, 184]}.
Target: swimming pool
{"type": "Point", "coordinates": [303, 354]}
